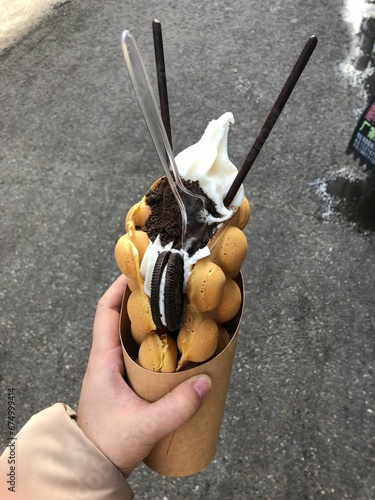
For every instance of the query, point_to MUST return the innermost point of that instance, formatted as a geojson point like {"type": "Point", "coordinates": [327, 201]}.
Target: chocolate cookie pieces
{"type": "Point", "coordinates": [167, 290]}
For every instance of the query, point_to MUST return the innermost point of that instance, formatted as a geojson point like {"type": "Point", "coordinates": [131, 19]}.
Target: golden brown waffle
{"type": "Point", "coordinates": [212, 298]}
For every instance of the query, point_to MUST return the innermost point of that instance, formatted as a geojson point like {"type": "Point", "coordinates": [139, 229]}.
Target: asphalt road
{"type": "Point", "coordinates": [75, 155]}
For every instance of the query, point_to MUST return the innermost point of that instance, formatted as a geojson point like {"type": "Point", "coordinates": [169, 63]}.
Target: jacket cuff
{"type": "Point", "coordinates": [55, 459]}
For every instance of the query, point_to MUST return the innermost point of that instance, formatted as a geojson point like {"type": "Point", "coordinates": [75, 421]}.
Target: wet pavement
{"type": "Point", "coordinates": [353, 199]}
{"type": "Point", "coordinates": [75, 155]}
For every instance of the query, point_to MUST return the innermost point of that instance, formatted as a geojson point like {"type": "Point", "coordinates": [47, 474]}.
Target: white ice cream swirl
{"type": "Point", "coordinates": [206, 162]}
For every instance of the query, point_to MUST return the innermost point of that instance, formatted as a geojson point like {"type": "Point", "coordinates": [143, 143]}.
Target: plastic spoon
{"type": "Point", "coordinates": [192, 205]}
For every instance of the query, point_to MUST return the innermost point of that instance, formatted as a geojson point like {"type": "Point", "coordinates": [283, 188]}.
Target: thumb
{"type": "Point", "coordinates": [177, 407]}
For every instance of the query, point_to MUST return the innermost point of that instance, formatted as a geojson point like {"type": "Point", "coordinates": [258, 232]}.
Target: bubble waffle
{"type": "Point", "coordinates": [212, 296]}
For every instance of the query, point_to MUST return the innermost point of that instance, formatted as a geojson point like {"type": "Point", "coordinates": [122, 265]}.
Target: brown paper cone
{"type": "Point", "coordinates": [193, 446]}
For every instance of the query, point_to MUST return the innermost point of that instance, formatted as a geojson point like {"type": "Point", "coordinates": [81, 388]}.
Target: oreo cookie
{"type": "Point", "coordinates": [157, 274]}
{"type": "Point", "coordinates": [173, 292]}
{"type": "Point", "coordinates": [167, 280]}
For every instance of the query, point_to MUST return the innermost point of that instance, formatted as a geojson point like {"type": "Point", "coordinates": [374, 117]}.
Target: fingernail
{"type": "Point", "coordinates": [202, 386]}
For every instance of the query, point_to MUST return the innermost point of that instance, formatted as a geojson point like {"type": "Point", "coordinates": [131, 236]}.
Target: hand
{"type": "Point", "coordinates": [121, 424]}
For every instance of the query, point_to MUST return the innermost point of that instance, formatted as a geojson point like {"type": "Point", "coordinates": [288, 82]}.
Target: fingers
{"type": "Point", "coordinates": [106, 323]}
{"type": "Point", "coordinates": [176, 407]}
{"type": "Point", "coordinates": [112, 298]}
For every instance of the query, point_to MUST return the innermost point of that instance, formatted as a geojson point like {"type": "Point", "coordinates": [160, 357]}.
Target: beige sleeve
{"type": "Point", "coordinates": [51, 458]}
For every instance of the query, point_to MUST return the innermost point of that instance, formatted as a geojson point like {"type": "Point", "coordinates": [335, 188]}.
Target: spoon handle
{"type": "Point", "coordinates": [152, 117]}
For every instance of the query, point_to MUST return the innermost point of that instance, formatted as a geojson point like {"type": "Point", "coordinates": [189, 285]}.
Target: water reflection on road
{"type": "Point", "coordinates": [350, 191]}
{"type": "Point", "coordinates": [349, 196]}
{"type": "Point", "coordinates": [354, 199]}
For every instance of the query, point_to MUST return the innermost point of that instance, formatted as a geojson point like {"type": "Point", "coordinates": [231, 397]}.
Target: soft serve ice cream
{"type": "Point", "coordinates": [178, 296]}
{"type": "Point", "coordinates": [207, 162]}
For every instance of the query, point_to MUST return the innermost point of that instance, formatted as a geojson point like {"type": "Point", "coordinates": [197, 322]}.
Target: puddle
{"type": "Point", "coordinates": [349, 193]}
{"type": "Point", "coordinates": [351, 196]}
{"type": "Point", "coordinates": [370, 84]}
{"type": "Point", "coordinates": [355, 200]}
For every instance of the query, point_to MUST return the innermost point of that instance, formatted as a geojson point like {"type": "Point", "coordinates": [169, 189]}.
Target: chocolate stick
{"type": "Point", "coordinates": [161, 76]}
{"type": "Point", "coordinates": [272, 117]}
